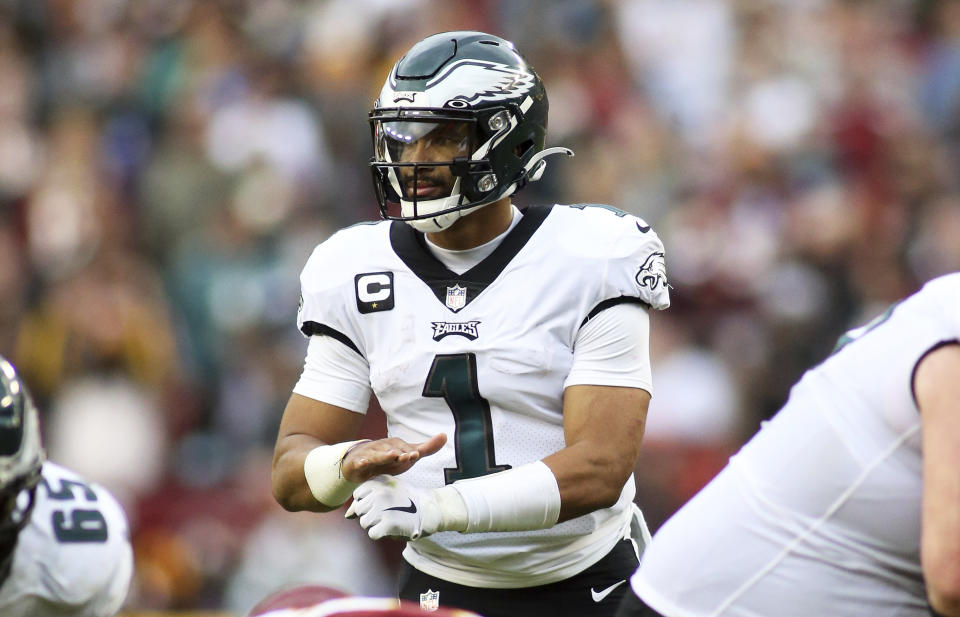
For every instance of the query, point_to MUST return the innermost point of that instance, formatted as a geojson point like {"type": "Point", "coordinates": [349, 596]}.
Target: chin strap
{"type": "Point", "coordinates": [535, 167]}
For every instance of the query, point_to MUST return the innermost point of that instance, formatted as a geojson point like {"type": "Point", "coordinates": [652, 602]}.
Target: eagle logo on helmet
{"type": "Point", "coordinates": [470, 81]}
{"type": "Point", "coordinates": [488, 81]}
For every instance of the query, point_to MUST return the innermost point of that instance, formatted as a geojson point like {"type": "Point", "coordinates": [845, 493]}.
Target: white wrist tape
{"type": "Point", "coordinates": [322, 469]}
{"type": "Point", "coordinates": [520, 499]}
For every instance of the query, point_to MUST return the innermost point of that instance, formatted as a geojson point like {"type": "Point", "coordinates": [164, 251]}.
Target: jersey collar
{"type": "Point", "coordinates": [410, 246]}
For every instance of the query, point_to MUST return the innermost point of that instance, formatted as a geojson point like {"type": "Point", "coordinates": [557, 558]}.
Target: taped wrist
{"type": "Point", "coordinates": [324, 474]}
{"type": "Point", "coordinates": [520, 499]}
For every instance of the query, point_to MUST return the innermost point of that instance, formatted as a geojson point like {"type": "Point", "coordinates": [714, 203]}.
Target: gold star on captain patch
{"type": "Point", "coordinates": [374, 305]}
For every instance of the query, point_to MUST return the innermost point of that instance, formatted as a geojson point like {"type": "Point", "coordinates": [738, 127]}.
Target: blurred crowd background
{"type": "Point", "coordinates": [166, 166]}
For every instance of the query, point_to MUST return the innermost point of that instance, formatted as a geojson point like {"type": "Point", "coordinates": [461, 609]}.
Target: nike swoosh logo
{"type": "Point", "coordinates": [643, 229]}
{"type": "Point", "coordinates": [598, 596]}
{"type": "Point", "coordinates": [412, 508]}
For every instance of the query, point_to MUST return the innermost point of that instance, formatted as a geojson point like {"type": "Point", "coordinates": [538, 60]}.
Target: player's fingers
{"type": "Point", "coordinates": [363, 461]}
{"type": "Point", "coordinates": [351, 511]}
{"type": "Point", "coordinates": [363, 490]}
{"type": "Point", "coordinates": [375, 532]}
{"type": "Point", "coordinates": [389, 467]}
{"type": "Point", "coordinates": [398, 451]}
{"type": "Point", "coordinates": [376, 484]}
{"type": "Point", "coordinates": [405, 461]}
{"type": "Point", "coordinates": [356, 510]}
{"type": "Point", "coordinates": [379, 451]}
{"type": "Point", "coordinates": [371, 519]}
{"type": "Point", "coordinates": [386, 528]}
{"type": "Point", "coordinates": [395, 444]}
{"type": "Point", "coordinates": [432, 445]}
{"type": "Point", "coordinates": [380, 455]}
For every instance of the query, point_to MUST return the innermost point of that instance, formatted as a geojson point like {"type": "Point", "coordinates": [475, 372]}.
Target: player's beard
{"type": "Point", "coordinates": [431, 182]}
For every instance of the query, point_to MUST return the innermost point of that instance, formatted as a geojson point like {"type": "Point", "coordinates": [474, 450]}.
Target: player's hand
{"type": "Point", "coordinates": [390, 456]}
{"type": "Point", "coordinates": [388, 507]}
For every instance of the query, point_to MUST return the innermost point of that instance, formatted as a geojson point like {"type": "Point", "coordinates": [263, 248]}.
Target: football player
{"type": "Point", "coordinates": [508, 348]}
{"type": "Point", "coordinates": [64, 545]}
{"type": "Point", "coordinates": [847, 502]}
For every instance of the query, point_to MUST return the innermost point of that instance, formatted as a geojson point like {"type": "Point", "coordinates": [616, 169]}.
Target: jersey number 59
{"type": "Point", "coordinates": [82, 524]}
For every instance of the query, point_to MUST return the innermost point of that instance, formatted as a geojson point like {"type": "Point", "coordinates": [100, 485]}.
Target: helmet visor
{"type": "Point", "coordinates": [422, 151]}
{"type": "Point", "coordinates": [423, 141]}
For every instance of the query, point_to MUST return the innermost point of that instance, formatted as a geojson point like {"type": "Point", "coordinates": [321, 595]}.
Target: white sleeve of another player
{"type": "Point", "coordinates": [335, 374]}
{"type": "Point", "coordinates": [613, 349]}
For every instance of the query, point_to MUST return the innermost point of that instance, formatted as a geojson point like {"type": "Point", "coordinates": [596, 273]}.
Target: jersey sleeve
{"type": "Point", "coordinates": [615, 258]}
{"type": "Point", "coordinates": [334, 374]}
{"type": "Point", "coordinates": [613, 349]}
{"type": "Point", "coordinates": [637, 266]}
{"type": "Point", "coordinates": [327, 295]}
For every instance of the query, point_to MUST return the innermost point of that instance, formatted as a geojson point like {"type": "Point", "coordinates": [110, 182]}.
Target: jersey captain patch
{"type": "Point", "coordinates": [374, 291]}
{"type": "Point", "coordinates": [467, 330]}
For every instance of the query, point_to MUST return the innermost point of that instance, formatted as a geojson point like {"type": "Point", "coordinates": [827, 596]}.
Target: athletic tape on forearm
{"type": "Point", "coordinates": [322, 470]}
{"type": "Point", "coordinates": [518, 499]}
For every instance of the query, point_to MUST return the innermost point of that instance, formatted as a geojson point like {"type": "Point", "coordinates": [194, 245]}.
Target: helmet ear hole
{"type": "Point", "coordinates": [524, 148]}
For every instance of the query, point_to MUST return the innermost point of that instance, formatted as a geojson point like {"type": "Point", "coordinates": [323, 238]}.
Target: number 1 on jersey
{"type": "Point", "coordinates": [454, 378]}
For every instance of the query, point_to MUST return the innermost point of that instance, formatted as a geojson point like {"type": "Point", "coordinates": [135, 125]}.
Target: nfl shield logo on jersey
{"type": "Point", "coordinates": [430, 601]}
{"type": "Point", "coordinates": [456, 298]}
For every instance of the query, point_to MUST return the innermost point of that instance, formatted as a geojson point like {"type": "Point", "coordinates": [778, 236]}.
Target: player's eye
{"type": "Point", "coordinates": [451, 140]}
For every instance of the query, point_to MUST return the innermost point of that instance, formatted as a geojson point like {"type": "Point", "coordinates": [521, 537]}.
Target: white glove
{"type": "Point", "coordinates": [389, 507]}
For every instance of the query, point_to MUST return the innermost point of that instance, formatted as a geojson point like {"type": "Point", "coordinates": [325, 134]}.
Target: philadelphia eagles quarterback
{"type": "Point", "coordinates": [508, 348]}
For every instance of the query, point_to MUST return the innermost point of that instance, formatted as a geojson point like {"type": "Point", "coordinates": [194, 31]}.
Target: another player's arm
{"type": "Point", "coordinates": [603, 428]}
{"type": "Point", "coordinates": [937, 387]}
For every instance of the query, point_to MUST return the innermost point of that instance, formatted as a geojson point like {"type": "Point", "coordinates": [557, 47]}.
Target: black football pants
{"type": "Point", "coordinates": [597, 591]}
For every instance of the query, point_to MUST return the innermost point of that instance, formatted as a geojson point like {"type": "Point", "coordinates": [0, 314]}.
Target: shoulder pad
{"type": "Point", "coordinates": [333, 259]}
{"type": "Point", "coordinates": [634, 255]}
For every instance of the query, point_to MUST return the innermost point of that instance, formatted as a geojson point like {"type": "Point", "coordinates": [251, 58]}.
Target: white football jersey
{"type": "Point", "coordinates": [484, 357]}
{"type": "Point", "coordinates": [819, 514]}
{"type": "Point", "coordinates": [73, 558]}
